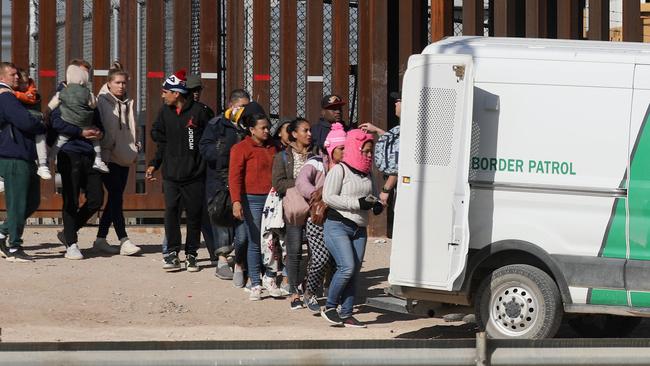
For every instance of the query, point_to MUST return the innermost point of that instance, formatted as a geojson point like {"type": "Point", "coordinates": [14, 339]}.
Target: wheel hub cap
{"type": "Point", "coordinates": [513, 309]}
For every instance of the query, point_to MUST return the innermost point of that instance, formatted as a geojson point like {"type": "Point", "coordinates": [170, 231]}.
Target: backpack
{"type": "Point", "coordinates": [387, 151]}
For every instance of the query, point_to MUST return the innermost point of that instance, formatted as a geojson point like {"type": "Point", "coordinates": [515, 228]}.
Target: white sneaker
{"type": "Point", "coordinates": [102, 245]}
{"type": "Point", "coordinates": [44, 172]}
{"type": "Point", "coordinates": [2, 186]}
{"type": "Point", "coordinates": [128, 248]}
{"type": "Point", "coordinates": [73, 252]}
{"type": "Point", "coordinates": [270, 286]}
{"type": "Point", "coordinates": [101, 166]}
{"type": "Point", "coordinates": [256, 293]}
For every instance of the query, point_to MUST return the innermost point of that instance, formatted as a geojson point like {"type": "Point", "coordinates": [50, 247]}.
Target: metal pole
{"type": "Point", "coordinates": [116, 30]}
{"type": "Point", "coordinates": [138, 63]}
{"type": "Point", "coordinates": [481, 349]}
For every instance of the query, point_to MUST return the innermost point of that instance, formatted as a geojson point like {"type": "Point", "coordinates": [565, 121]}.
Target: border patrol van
{"type": "Point", "coordinates": [524, 183]}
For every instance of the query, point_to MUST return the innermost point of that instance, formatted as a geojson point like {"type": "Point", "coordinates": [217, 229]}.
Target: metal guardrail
{"type": "Point", "coordinates": [481, 351]}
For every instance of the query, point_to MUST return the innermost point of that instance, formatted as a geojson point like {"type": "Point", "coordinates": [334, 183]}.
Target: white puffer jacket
{"type": "Point", "coordinates": [118, 118]}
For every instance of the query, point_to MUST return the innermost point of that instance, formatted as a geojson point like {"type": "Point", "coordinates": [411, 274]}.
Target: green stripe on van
{"type": "Point", "coordinates": [639, 195]}
{"type": "Point", "coordinates": [608, 297]}
{"type": "Point", "coordinates": [614, 243]}
{"type": "Point", "coordinates": [638, 202]}
{"type": "Point", "coordinates": [640, 299]}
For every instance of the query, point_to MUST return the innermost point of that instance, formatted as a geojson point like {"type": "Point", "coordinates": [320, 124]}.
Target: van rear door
{"type": "Point", "coordinates": [431, 230]}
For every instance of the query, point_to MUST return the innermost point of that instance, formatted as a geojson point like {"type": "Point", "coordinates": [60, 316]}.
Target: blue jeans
{"type": "Point", "coordinates": [347, 245]}
{"type": "Point", "coordinates": [253, 204]}
{"type": "Point", "coordinates": [240, 242]}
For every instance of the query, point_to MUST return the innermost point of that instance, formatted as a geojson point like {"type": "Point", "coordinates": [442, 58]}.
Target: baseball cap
{"type": "Point", "coordinates": [275, 128]}
{"type": "Point", "coordinates": [331, 101]}
{"type": "Point", "coordinates": [194, 82]}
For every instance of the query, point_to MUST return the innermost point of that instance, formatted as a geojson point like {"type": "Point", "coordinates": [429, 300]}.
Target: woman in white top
{"type": "Point", "coordinates": [348, 194]}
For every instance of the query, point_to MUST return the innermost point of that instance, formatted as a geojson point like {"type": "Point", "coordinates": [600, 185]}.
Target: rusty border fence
{"type": "Point", "coordinates": [287, 53]}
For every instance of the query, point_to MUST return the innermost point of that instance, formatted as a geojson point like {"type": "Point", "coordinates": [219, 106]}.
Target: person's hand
{"type": "Point", "coordinates": [383, 197]}
{"type": "Point", "coordinates": [238, 211]}
{"type": "Point", "coordinates": [370, 128]}
{"type": "Point", "coordinates": [149, 174]}
{"type": "Point", "coordinates": [91, 134]}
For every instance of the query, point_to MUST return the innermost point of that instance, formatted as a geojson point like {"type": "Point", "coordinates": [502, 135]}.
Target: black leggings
{"type": "Point", "coordinates": [76, 173]}
{"type": "Point", "coordinates": [293, 242]}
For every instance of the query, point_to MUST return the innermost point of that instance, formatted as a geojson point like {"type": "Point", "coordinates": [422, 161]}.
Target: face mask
{"type": "Point", "coordinates": [233, 114]}
{"type": "Point", "coordinates": [365, 164]}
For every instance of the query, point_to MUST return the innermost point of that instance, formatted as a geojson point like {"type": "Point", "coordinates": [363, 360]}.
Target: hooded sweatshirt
{"type": "Point", "coordinates": [118, 144]}
{"type": "Point", "coordinates": [77, 103]}
{"type": "Point", "coordinates": [177, 134]}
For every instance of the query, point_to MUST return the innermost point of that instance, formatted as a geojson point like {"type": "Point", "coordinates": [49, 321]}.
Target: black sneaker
{"type": "Point", "coordinates": [190, 263]}
{"type": "Point", "coordinates": [352, 322]}
{"type": "Point", "coordinates": [296, 304]}
{"type": "Point", "coordinates": [171, 262]}
{"type": "Point", "coordinates": [3, 247]}
{"type": "Point", "coordinates": [331, 315]}
{"type": "Point", "coordinates": [19, 256]}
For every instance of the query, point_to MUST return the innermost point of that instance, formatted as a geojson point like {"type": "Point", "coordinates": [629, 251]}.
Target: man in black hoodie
{"type": "Point", "coordinates": [17, 164]}
{"type": "Point", "coordinates": [177, 132]}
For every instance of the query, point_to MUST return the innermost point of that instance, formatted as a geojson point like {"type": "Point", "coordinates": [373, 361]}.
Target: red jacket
{"type": "Point", "coordinates": [250, 168]}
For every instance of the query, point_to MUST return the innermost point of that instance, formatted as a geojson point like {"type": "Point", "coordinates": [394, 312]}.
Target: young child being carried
{"type": "Point", "coordinates": [28, 95]}
{"type": "Point", "coordinates": [77, 104]}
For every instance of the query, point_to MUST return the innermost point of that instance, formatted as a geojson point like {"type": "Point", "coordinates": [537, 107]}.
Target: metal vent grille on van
{"type": "Point", "coordinates": [435, 134]}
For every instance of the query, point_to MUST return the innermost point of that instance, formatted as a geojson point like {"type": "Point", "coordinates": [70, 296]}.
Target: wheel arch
{"type": "Point", "coordinates": [506, 252]}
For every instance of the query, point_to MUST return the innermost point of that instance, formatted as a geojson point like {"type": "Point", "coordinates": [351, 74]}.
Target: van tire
{"type": "Point", "coordinates": [519, 301]}
{"type": "Point", "coordinates": [603, 325]}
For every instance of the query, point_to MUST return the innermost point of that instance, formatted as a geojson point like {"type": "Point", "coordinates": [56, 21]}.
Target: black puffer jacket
{"type": "Point", "coordinates": [218, 138]}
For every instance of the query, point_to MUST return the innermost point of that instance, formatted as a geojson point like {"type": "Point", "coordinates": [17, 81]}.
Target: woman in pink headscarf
{"type": "Point", "coordinates": [348, 194]}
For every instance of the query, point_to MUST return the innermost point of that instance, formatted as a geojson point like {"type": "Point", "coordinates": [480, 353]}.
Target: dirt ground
{"type": "Point", "coordinates": [131, 298]}
{"type": "Point", "coordinates": [104, 298]}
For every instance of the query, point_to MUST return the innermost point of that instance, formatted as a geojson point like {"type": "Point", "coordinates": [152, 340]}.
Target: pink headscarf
{"type": "Point", "coordinates": [353, 156]}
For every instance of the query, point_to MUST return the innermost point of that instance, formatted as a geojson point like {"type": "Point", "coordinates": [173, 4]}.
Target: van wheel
{"type": "Point", "coordinates": [519, 301]}
{"type": "Point", "coordinates": [603, 325]}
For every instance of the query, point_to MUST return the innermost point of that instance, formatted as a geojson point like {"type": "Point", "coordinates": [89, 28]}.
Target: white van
{"type": "Point", "coordinates": [524, 183]}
